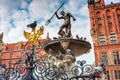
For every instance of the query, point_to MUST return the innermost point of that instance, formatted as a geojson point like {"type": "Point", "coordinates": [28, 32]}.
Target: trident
{"type": "Point", "coordinates": [48, 21]}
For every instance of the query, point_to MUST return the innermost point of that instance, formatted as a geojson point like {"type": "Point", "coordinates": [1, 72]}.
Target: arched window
{"type": "Point", "coordinates": [108, 14]}
{"type": "Point", "coordinates": [98, 14]}
{"type": "Point", "coordinates": [118, 12]}
{"type": "Point", "coordinates": [118, 15]}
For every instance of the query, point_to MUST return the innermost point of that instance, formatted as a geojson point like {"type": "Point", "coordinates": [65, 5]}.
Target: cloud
{"type": "Point", "coordinates": [14, 35]}
{"type": "Point", "coordinates": [39, 8]}
{"type": "Point", "coordinates": [10, 5]}
{"type": "Point", "coordinates": [83, 11]}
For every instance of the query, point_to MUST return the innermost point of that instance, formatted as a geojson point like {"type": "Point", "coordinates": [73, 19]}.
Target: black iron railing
{"type": "Point", "coordinates": [36, 67]}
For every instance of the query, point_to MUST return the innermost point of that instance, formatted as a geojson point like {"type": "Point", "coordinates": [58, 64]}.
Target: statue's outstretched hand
{"type": "Point", "coordinates": [74, 19]}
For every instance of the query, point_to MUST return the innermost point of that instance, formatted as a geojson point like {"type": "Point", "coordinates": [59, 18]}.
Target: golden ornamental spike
{"type": "Point", "coordinates": [34, 35]}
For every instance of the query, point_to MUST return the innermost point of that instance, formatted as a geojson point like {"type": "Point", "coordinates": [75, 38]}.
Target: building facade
{"type": "Point", "coordinates": [105, 32]}
{"type": "Point", "coordinates": [11, 53]}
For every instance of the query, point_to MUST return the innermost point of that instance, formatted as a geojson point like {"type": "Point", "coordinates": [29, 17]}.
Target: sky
{"type": "Point", "coordinates": [16, 14]}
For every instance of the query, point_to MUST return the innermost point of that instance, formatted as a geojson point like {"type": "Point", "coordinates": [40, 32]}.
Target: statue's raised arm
{"type": "Point", "coordinates": [74, 19]}
{"type": "Point", "coordinates": [58, 16]}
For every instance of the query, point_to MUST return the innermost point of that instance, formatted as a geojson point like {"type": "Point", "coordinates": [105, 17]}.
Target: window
{"type": "Point", "coordinates": [116, 58]}
{"type": "Point", "coordinates": [107, 75]}
{"type": "Point", "coordinates": [99, 18]}
{"type": "Point", "coordinates": [110, 24]}
{"type": "Point", "coordinates": [108, 17]}
{"type": "Point", "coordinates": [118, 15]}
{"type": "Point", "coordinates": [117, 74]}
{"type": "Point", "coordinates": [102, 40]}
{"type": "Point", "coordinates": [99, 25]}
{"type": "Point", "coordinates": [112, 38]}
{"type": "Point", "coordinates": [104, 58]}
{"type": "Point", "coordinates": [118, 22]}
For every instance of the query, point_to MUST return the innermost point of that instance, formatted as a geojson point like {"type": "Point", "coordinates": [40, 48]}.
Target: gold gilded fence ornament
{"type": "Point", "coordinates": [34, 35]}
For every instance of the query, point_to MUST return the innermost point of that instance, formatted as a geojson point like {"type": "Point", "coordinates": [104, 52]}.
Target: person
{"type": "Point", "coordinates": [66, 25]}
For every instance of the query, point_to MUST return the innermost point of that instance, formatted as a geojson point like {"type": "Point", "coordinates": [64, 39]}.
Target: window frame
{"type": "Point", "coordinates": [119, 23]}
{"type": "Point", "coordinates": [118, 15]}
{"type": "Point", "coordinates": [102, 40]}
{"type": "Point", "coordinates": [110, 24]}
{"type": "Point", "coordinates": [107, 75]}
{"type": "Point", "coordinates": [99, 25]}
{"type": "Point", "coordinates": [104, 57]}
{"type": "Point", "coordinates": [108, 17]}
{"type": "Point", "coordinates": [98, 18]}
{"type": "Point", "coordinates": [113, 39]}
{"type": "Point", "coordinates": [117, 74]}
{"type": "Point", "coordinates": [116, 57]}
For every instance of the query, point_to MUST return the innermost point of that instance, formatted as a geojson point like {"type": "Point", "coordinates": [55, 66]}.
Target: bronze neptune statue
{"type": "Point", "coordinates": [66, 25]}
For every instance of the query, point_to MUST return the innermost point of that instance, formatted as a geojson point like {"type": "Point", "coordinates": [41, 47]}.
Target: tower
{"type": "Point", "coordinates": [1, 42]}
{"type": "Point", "coordinates": [105, 32]}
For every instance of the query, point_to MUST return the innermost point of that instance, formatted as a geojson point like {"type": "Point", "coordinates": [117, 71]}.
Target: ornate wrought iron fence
{"type": "Point", "coordinates": [33, 66]}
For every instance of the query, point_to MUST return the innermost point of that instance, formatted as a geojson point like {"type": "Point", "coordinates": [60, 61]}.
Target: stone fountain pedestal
{"type": "Point", "coordinates": [78, 46]}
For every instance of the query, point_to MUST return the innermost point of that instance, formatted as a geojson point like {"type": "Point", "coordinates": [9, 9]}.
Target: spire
{"type": "Point", "coordinates": [90, 2]}
{"type": "Point", "coordinates": [93, 2]}
{"type": "Point", "coordinates": [1, 37]}
{"type": "Point", "coordinates": [48, 38]}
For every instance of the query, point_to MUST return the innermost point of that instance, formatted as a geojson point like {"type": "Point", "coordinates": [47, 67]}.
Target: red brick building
{"type": "Point", "coordinates": [10, 53]}
{"type": "Point", "coordinates": [105, 32]}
